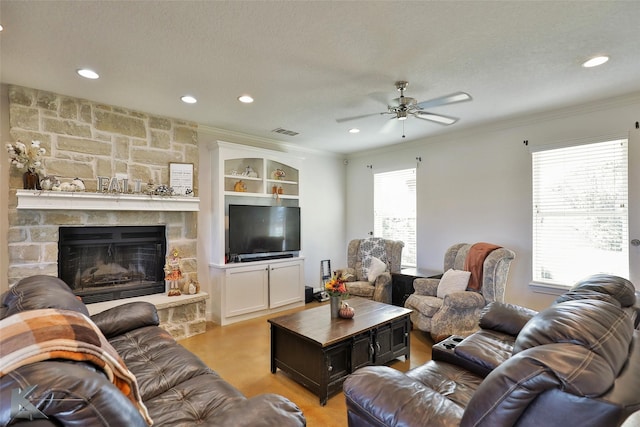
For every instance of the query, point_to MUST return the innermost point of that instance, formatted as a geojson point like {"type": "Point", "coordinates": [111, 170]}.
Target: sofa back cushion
{"type": "Point", "coordinates": [38, 292]}
{"type": "Point", "coordinates": [618, 287]}
{"type": "Point", "coordinates": [600, 326]}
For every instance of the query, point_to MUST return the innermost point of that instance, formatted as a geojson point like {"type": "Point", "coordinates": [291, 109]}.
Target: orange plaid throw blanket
{"type": "Point", "coordinates": [37, 335]}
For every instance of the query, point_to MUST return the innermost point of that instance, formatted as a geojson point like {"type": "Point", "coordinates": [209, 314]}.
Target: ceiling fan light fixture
{"type": "Point", "coordinates": [401, 115]}
{"type": "Point", "coordinates": [595, 61]}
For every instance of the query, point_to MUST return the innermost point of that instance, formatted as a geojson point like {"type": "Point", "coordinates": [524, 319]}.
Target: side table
{"type": "Point", "coordinates": [402, 283]}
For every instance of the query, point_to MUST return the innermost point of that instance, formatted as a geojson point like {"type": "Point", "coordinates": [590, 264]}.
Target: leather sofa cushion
{"type": "Point", "coordinates": [126, 317]}
{"type": "Point", "coordinates": [448, 380]}
{"type": "Point", "coordinates": [618, 287]}
{"type": "Point", "coordinates": [383, 396]}
{"type": "Point", "coordinates": [41, 291]}
{"type": "Point", "coordinates": [158, 361]}
{"type": "Point", "coordinates": [600, 326]}
{"type": "Point", "coordinates": [503, 317]}
{"type": "Point", "coordinates": [485, 350]}
{"type": "Point", "coordinates": [70, 394]}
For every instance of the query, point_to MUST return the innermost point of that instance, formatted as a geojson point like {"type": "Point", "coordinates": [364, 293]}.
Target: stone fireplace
{"type": "Point", "coordinates": [86, 140]}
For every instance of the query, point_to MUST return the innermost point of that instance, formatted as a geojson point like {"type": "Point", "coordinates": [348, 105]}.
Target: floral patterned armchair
{"type": "Point", "coordinates": [457, 313]}
{"type": "Point", "coordinates": [357, 271]}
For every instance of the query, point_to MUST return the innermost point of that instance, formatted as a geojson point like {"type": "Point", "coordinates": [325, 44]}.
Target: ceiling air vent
{"type": "Point", "coordinates": [285, 132]}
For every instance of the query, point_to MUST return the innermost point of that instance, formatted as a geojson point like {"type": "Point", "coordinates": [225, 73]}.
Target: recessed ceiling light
{"type": "Point", "coordinates": [188, 99]}
{"type": "Point", "coordinates": [595, 61]}
{"type": "Point", "coordinates": [354, 130]}
{"type": "Point", "coordinates": [88, 74]}
{"type": "Point", "coordinates": [1, 28]}
{"type": "Point", "coordinates": [245, 99]}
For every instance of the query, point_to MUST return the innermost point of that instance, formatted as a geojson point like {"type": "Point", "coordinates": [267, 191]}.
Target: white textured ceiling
{"type": "Point", "coordinates": [308, 63]}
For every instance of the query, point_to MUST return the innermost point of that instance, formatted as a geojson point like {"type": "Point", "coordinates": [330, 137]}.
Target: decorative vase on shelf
{"type": "Point", "coordinates": [31, 180]}
{"type": "Point", "coordinates": [335, 306]}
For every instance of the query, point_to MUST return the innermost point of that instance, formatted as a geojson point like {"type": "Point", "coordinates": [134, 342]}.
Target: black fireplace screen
{"type": "Point", "coordinates": [107, 263]}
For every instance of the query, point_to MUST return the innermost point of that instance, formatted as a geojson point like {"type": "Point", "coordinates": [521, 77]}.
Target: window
{"type": "Point", "coordinates": [580, 217]}
{"type": "Point", "coordinates": [394, 205]}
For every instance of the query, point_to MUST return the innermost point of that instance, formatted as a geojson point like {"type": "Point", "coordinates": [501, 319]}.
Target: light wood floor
{"type": "Point", "coordinates": [239, 353]}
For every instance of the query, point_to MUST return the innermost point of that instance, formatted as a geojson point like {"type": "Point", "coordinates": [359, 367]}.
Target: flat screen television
{"type": "Point", "coordinates": [263, 230]}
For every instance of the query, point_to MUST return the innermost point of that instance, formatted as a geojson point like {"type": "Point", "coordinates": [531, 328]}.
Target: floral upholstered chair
{"type": "Point", "coordinates": [370, 263]}
{"type": "Point", "coordinates": [452, 305]}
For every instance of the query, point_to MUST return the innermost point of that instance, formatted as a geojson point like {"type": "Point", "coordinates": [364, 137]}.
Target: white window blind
{"type": "Point", "coordinates": [394, 204]}
{"type": "Point", "coordinates": [580, 217]}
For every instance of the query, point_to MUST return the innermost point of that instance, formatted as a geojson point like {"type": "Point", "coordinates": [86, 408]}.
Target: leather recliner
{"type": "Point", "coordinates": [577, 363]}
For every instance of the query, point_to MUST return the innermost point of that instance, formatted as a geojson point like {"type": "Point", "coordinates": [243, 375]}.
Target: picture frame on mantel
{"type": "Point", "coordinates": [181, 178]}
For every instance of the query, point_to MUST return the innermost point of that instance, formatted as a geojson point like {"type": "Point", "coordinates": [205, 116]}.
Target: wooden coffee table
{"type": "Point", "coordinates": [319, 352]}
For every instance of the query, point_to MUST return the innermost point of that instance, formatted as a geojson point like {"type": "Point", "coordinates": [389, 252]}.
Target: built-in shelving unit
{"type": "Point", "coordinates": [258, 177]}
{"type": "Point", "coordinates": [248, 175]}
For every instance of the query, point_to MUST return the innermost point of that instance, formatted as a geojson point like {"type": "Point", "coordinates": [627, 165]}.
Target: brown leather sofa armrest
{"type": "Point", "coordinates": [127, 317]}
{"type": "Point", "coordinates": [70, 394]}
{"type": "Point", "coordinates": [506, 318]}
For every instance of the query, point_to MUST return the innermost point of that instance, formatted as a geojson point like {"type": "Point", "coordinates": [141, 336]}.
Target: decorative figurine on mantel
{"type": "Point", "coordinates": [173, 274]}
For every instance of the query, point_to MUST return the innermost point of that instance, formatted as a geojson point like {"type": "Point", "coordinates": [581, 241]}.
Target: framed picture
{"type": "Point", "coordinates": [181, 178]}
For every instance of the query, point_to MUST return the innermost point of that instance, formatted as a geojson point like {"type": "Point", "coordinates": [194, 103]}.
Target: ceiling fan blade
{"type": "Point", "coordinates": [348, 119]}
{"type": "Point", "coordinates": [437, 118]}
{"type": "Point", "coordinates": [444, 100]}
{"type": "Point", "coordinates": [389, 125]}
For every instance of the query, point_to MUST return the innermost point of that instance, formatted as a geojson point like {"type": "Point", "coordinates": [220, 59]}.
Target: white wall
{"type": "Point", "coordinates": [475, 185]}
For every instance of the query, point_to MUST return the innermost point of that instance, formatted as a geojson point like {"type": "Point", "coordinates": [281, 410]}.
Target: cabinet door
{"type": "Point", "coordinates": [362, 351]}
{"type": "Point", "coordinates": [400, 338]}
{"type": "Point", "coordinates": [337, 362]}
{"type": "Point", "coordinates": [285, 283]}
{"type": "Point", "coordinates": [246, 290]}
{"type": "Point", "coordinates": [382, 344]}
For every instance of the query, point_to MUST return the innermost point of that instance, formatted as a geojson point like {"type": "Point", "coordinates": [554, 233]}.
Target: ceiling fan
{"type": "Point", "coordinates": [405, 106]}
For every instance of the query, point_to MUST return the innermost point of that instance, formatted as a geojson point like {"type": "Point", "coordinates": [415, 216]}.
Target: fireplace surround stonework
{"type": "Point", "coordinates": [85, 139]}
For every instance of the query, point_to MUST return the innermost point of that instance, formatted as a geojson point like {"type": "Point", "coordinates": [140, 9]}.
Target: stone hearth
{"type": "Point", "coordinates": [182, 316]}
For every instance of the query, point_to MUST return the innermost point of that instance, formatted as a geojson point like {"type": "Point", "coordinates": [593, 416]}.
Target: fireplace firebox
{"type": "Point", "coordinates": [112, 262]}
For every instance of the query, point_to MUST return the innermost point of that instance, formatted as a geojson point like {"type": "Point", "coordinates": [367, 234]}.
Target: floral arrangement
{"type": "Point", "coordinates": [26, 158]}
{"type": "Point", "coordinates": [336, 286]}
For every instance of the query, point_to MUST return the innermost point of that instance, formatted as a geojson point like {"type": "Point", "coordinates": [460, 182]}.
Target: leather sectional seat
{"type": "Point", "coordinates": [176, 387]}
{"type": "Point", "coordinates": [576, 363]}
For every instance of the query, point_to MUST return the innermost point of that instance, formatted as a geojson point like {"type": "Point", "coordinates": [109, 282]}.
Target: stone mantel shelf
{"type": "Point", "coordinates": [38, 199]}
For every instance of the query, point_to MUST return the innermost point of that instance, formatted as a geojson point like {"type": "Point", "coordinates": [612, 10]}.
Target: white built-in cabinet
{"type": "Point", "coordinates": [247, 175]}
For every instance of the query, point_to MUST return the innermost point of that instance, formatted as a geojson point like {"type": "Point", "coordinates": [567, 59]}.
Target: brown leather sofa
{"type": "Point", "coordinates": [577, 363]}
{"type": "Point", "coordinates": [176, 387]}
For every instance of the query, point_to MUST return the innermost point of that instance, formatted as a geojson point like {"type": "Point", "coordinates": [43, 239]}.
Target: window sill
{"type": "Point", "coordinates": [547, 288]}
